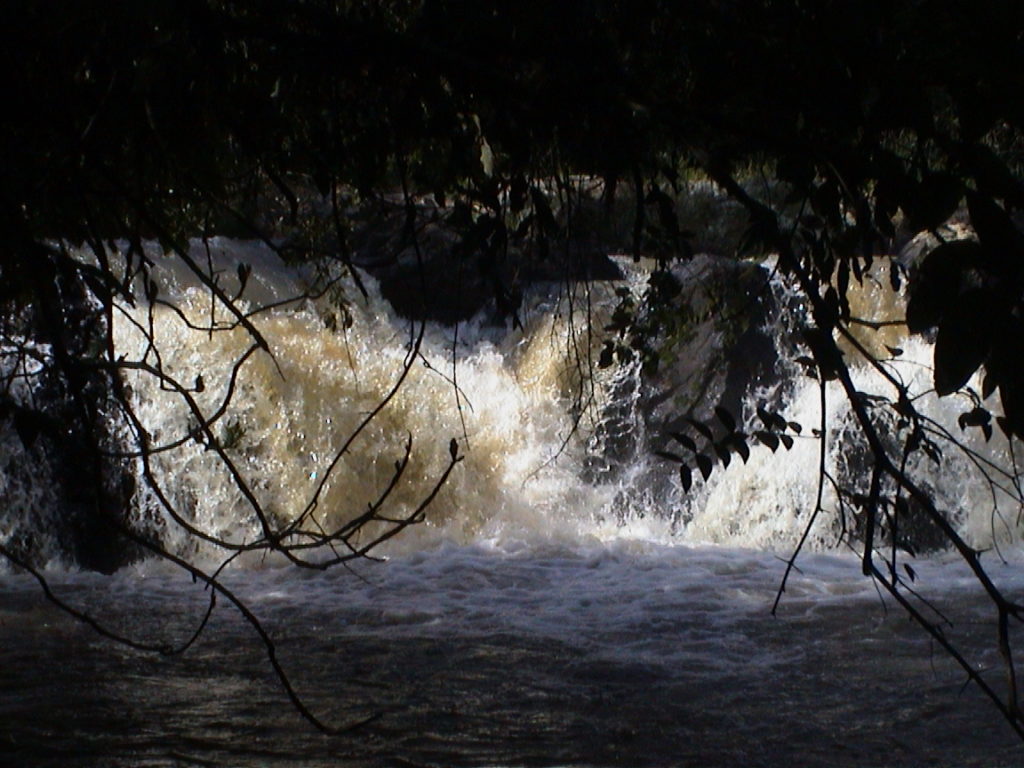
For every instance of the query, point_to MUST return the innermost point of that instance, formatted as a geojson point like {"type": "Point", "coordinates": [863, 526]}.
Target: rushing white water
{"type": "Point", "coordinates": [547, 612]}
{"type": "Point", "coordinates": [507, 398]}
{"type": "Point", "coordinates": [506, 402]}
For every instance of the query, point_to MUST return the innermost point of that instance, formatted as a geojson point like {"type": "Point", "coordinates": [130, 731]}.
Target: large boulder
{"type": "Point", "coordinates": [727, 334]}
{"type": "Point", "coordinates": [442, 275]}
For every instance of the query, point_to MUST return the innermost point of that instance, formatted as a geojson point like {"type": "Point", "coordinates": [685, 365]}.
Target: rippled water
{"type": "Point", "coordinates": [612, 655]}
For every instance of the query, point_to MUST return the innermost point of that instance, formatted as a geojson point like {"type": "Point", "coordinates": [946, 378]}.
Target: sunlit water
{"type": "Point", "coordinates": [542, 616]}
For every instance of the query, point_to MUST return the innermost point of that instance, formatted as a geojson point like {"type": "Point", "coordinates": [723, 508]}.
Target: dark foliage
{"type": "Point", "coordinates": [171, 119]}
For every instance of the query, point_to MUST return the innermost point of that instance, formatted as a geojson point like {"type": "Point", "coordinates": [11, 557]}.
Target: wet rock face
{"type": "Point", "coordinates": [718, 333]}
{"type": "Point", "coordinates": [728, 336]}
{"type": "Point", "coordinates": [447, 275]}
{"type": "Point", "coordinates": [730, 339]}
{"type": "Point", "coordinates": [907, 526]}
{"type": "Point", "coordinates": [710, 332]}
{"type": "Point", "coordinates": [457, 265]}
{"type": "Point", "coordinates": [61, 494]}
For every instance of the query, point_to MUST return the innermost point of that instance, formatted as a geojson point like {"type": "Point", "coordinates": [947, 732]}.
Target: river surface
{"type": "Point", "coordinates": [626, 655]}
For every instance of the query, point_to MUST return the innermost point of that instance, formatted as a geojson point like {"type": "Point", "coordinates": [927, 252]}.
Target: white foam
{"type": "Point", "coordinates": [523, 481]}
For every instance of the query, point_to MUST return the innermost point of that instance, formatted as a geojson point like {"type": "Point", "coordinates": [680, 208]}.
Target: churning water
{"type": "Point", "coordinates": [555, 608]}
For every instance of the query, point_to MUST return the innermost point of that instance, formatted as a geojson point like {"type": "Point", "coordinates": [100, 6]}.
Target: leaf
{"type": "Point", "coordinates": [831, 313]}
{"type": "Point", "coordinates": [666, 212]}
{"type": "Point", "coordinates": [517, 193]}
{"type": "Point", "coordinates": [684, 440]}
{"type": "Point", "coordinates": [244, 270]}
{"type": "Point", "coordinates": [894, 276]}
{"type": "Point", "coordinates": [685, 477]}
{"type": "Point", "coordinates": [932, 451]}
{"type": "Point", "coordinates": [994, 175]}
{"type": "Point", "coordinates": [543, 211]}
{"type": "Point", "coordinates": [904, 407]}
{"type": "Point", "coordinates": [704, 464]}
{"type": "Point", "coordinates": [910, 572]}
{"type": "Point", "coordinates": [827, 356]}
{"type": "Point", "coordinates": [931, 202]}
{"type": "Point", "coordinates": [726, 418]}
{"type": "Point", "coordinates": [760, 235]}
{"type": "Point", "coordinates": [787, 441]}
{"type": "Point", "coordinates": [988, 385]}
{"type": "Point", "coordinates": [1001, 242]}
{"type": "Point", "coordinates": [843, 277]}
{"type": "Point", "coordinates": [937, 284]}
{"type": "Point", "coordinates": [768, 438]}
{"type": "Point", "coordinates": [524, 226]}
{"type": "Point", "coordinates": [723, 454]}
{"type": "Point", "coordinates": [914, 441]}
{"type": "Point", "coordinates": [894, 351]}
{"type": "Point", "coordinates": [963, 341]}
{"type": "Point", "coordinates": [699, 426]}
{"type": "Point", "coordinates": [858, 273]}
{"type": "Point", "coordinates": [28, 425]}
{"type": "Point", "coordinates": [1011, 395]}
{"type": "Point", "coordinates": [974, 418]}
{"type": "Point", "coordinates": [742, 449]}
{"type": "Point", "coordinates": [795, 426]}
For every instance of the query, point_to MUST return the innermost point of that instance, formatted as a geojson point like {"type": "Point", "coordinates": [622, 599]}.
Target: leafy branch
{"type": "Point", "coordinates": [708, 448]}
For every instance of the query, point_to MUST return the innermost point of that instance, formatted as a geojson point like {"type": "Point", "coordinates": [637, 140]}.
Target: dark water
{"type": "Point", "coordinates": [474, 658]}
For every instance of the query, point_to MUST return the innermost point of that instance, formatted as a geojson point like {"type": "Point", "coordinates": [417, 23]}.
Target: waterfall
{"type": "Point", "coordinates": [531, 412]}
{"type": "Point", "coordinates": [557, 446]}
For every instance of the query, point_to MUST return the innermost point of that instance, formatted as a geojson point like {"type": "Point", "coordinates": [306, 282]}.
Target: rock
{"type": "Point", "coordinates": [440, 278]}
{"type": "Point", "coordinates": [723, 342]}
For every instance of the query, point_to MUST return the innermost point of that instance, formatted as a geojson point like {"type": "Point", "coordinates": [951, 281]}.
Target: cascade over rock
{"type": "Point", "coordinates": [726, 336]}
